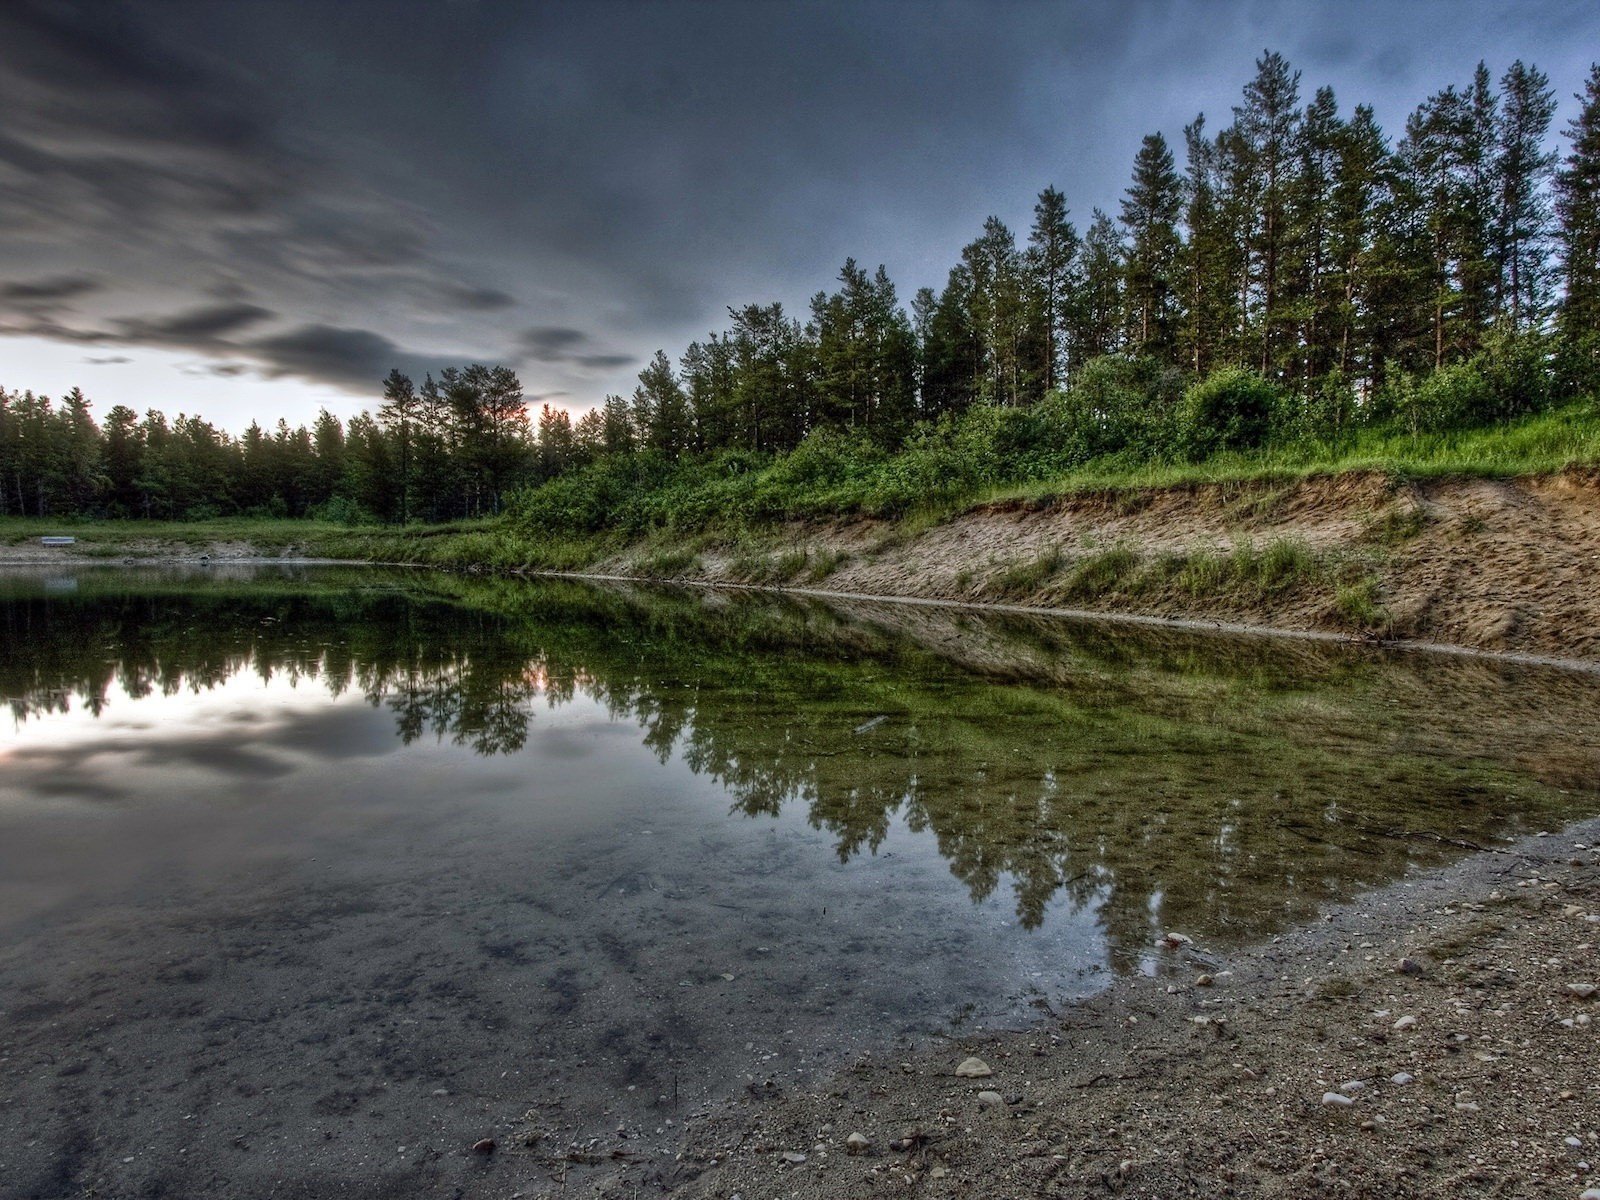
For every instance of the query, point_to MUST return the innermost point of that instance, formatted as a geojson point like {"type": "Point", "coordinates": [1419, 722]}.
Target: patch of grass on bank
{"type": "Point", "coordinates": [1242, 579]}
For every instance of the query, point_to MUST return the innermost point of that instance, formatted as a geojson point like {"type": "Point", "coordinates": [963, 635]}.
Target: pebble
{"type": "Point", "coordinates": [973, 1068]}
{"type": "Point", "coordinates": [1337, 1099]}
{"type": "Point", "coordinates": [1174, 940]}
{"type": "Point", "coordinates": [857, 1143]}
{"type": "Point", "coordinates": [990, 1099]}
{"type": "Point", "coordinates": [1352, 1085]}
{"type": "Point", "coordinates": [1590, 1194]}
{"type": "Point", "coordinates": [1402, 1078]}
{"type": "Point", "coordinates": [794, 1157]}
{"type": "Point", "coordinates": [483, 1146]}
{"type": "Point", "coordinates": [1409, 966]}
{"type": "Point", "coordinates": [1203, 981]}
{"type": "Point", "coordinates": [1405, 1022]}
{"type": "Point", "coordinates": [1583, 991]}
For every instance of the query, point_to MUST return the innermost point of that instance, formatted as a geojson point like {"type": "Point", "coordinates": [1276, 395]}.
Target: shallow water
{"type": "Point", "coordinates": [314, 876]}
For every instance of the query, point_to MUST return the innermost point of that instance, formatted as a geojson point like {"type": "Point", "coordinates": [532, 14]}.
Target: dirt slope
{"type": "Point", "coordinates": [1506, 565]}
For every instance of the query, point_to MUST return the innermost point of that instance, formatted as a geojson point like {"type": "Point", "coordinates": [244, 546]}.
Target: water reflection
{"type": "Point", "coordinates": [1225, 786]}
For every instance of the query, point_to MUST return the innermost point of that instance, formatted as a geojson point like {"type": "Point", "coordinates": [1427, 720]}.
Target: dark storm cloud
{"type": "Point", "coordinates": [357, 357]}
{"type": "Point", "coordinates": [195, 328]}
{"type": "Point", "coordinates": [562, 344]}
{"type": "Point", "coordinates": [50, 289]}
{"type": "Point", "coordinates": [478, 299]}
{"type": "Point", "coordinates": [568, 186]}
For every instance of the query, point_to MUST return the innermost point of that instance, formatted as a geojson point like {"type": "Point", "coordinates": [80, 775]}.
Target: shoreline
{"type": "Point", "coordinates": [1218, 626]}
{"type": "Point", "coordinates": [1211, 1076]}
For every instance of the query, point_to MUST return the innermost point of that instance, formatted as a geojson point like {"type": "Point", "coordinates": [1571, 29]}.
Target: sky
{"type": "Point", "coordinates": [250, 209]}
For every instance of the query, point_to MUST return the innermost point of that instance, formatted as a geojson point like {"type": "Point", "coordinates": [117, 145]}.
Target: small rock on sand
{"type": "Point", "coordinates": [973, 1068]}
{"type": "Point", "coordinates": [990, 1099]}
{"type": "Point", "coordinates": [1583, 991]}
{"type": "Point", "coordinates": [857, 1143]}
{"type": "Point", "coordinates": [1337, 1099]}
{"type": "Point", "coordinates": [793, 1157]}
{"type": "Point", "coordinates": [483, 1146]}
{"type": "Point", "coordinates": [1405, 1022]}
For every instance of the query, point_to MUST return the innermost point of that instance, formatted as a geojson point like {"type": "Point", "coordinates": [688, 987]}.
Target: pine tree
{"type": "Point", "coordinates": [1206, 256]}
{"type": "Point", "coordinates": [996, 312]}
{"type": "Point", "coordinates": [1150, 211]}
{"type": "Point", "coordinates": [1266, 129]}
{"type": "Point", "coordinates": [1523, 168]}
{"type": "Point", "coordinates": [398, 417]}
{"type": "Point", "coordinates": [1578, 205]}
{"type": "Point", "coordinates": [1360, 186]}
{"type": "Point", "coordinates": [618, 429]}
{"type": "Point", "coordinates": [1313, 280]}
{"type": "Point", "coordinates": [1098, 303]}
{"type": "Point", "coordinates": [660, 408]}
{"type": "Point", "coordinates": [1052, 251]}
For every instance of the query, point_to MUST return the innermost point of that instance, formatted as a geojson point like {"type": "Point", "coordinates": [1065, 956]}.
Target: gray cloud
{"type": "Point", "coordinates": [53, 288]}
{"type": "Point", "coordinates": [196, 327]}
{"type": "Point", "coordinates": [107, 360]}
{"type": "Point", "coordinates": [477, 299]}
{"type": "Point", "coordinates": [358, 358]}
{"type": "Point", "coordinates": [562, 344]}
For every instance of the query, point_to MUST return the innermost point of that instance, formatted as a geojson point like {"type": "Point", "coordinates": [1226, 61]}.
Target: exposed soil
{"type": "Point", "coordinates": [1501, 565]}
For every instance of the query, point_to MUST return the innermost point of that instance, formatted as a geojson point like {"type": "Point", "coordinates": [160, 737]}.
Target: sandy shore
{"type": "Point", "coordinates": [1435, 1039]}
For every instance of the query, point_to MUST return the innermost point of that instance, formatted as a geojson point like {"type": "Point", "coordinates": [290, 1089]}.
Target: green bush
{"type": "Point", "coordinates": [1453, 397]}
{"type": "Point", "coordinates": [1231, 409]}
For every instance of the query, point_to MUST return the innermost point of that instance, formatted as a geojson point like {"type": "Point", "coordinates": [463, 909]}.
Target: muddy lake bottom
{"type": "Point", "coordinates": [312, 878]}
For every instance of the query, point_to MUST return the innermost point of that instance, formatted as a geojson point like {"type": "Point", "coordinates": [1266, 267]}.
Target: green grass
{"type": "Point", "coordinates": [1536, 445]}
{"type": "Point", "coordinates": [667, 562]}
{"type": "Point", "coordinates": [1024, 578]}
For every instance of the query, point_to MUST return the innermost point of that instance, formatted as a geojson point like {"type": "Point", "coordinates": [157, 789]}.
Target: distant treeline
{"type": "Point", "coordinates": [1299, 275]}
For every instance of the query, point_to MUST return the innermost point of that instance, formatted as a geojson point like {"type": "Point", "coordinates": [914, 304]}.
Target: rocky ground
{"type": "Point", "coordinates": [1437, 1039]}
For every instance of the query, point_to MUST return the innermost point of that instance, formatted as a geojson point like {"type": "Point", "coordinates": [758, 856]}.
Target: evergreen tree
{"type": "Point", "coordinates": [1052, 252]}
{"type": "Point", "coordinates": [617, 426]}
{"type": "Point", "coordinates": [1267, 126]}
{"type": "Point", "coordinates": [1578, 205]}
{"type": "Point", "coordinates": [661, 410]}
{"type": "Point", "coordinates": [1150, 211]}
{"type": "Point", "coordinates": [1523, 168]}
{"type": "Point", "coordinates": [398, 418]}
{"type": "Point", "coordinates": [1097, 305]}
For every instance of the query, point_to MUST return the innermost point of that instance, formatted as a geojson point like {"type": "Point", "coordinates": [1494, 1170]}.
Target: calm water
{"type": "Point", "coordinates": [308, 878]}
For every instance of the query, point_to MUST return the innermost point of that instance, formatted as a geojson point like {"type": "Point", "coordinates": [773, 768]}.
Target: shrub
{"type": "Point", "coordinates": [1231, 409]}
{"type": "Point", "coordinates": [1453, 397]}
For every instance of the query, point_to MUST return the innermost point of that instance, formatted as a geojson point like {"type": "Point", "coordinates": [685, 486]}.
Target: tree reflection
{"type": "Point", "coordinates": [1159, 779]}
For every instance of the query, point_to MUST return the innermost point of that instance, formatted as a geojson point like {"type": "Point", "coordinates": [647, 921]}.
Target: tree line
{"type": "Point", "coordinates": [1299, 251]}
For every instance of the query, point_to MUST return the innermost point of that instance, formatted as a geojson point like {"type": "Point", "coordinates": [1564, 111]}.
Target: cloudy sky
{"type": "Point", "coordinates": [255, 208]}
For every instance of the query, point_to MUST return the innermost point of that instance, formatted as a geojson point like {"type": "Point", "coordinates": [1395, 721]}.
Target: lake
{"type": "Point", "coordinates": [312, 877]}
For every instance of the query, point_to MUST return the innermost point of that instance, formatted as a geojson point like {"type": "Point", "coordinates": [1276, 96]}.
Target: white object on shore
{"type": "Point", "coordinates": [1337, 1099]}
{"type": "Point", "coordinates": [974, 1068]}
{"type": "Point", "coordinates": [58, 541]}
